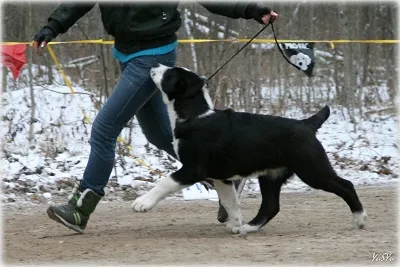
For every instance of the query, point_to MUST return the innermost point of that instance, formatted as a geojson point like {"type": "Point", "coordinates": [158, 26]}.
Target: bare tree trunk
{"type": "Point", "coordinates": [391, 64]}
{"type": "Point", "coordinates": [104, 70]}
{"type": "Point", "coordinates": [190, 35]}
{"type": "Point", "coordinates": [257, 81]}
{"type": "Point", "coordinates": [49, 65]}
{"type": "Point", "coordinates": [368, 20]}
{"type": "Point", "coordinates": [336, 76]}
{"type": "Point", "coordinates": [4, 80]}
{"type": "Point", "coordinates": [310, 36]}
{"type": "Point", "coordinates": [32, 95]}
{"type": "Point", "coordinates": [349, 64]}
{"type": "Point", "coordinates": [130, 131]}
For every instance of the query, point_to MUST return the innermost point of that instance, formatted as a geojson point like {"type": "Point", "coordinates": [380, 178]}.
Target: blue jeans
{"type": "Point", "coordinates": [134, 94]}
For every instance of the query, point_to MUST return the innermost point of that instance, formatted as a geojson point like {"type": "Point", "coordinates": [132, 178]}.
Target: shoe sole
{"type": "Point", "coordinates": [58, 219]}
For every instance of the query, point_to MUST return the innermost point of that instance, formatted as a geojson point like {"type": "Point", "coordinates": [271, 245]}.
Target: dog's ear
{"type": "Point", "coordinates": [168, 87]}
{"type": "Point", "coordinates": [181, 86]}
{"type": "Point", "coordinates": [174, 87]}
{"type": "Point", "coordinates": [191, 85]}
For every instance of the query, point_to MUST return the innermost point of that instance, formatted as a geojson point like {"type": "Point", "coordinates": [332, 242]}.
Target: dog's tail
{"type": "Point", "coordinates": [315, 121]}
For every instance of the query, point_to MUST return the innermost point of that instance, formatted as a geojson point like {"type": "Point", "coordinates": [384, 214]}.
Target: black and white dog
{"type": "Point", "coordinates": [227, 145]}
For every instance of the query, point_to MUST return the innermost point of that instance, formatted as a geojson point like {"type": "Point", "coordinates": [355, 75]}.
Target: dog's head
{"type": "Point", "coordinates": [301, 60]}
{"type": "Point", "coordinates": [177, 83]}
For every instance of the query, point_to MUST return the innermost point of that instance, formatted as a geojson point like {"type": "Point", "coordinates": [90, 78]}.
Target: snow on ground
{"type": "Point", "coordinates": [46, 166]}
{"type": "Point", "coordinates": [60, 148]}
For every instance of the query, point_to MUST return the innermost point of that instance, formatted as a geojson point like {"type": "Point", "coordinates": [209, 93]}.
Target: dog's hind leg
{"type": "Point", "coordinates": [229, 200]}
{"type": "Point", "coordinates": [270, 187]}
{"type": "Point", "coordinates": [347, 193]}
{"type": "Point", "coordinates": [316, 171]}
{"type": "Point", "coordinates": [180, 179]}
{"type": "Point", "coordinates": [359, 213]}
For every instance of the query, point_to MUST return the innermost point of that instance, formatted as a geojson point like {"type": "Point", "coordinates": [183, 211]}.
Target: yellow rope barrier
{"type": "Point", "coordinates": [186, 41]}
{"type": "Point", "coordinates": [60, 69]}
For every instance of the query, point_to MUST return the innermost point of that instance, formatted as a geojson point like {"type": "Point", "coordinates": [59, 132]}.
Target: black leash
{"type": "Point", "coordinates": [280, 49]}
{"type": "Point", "coordinates": [248, 42]}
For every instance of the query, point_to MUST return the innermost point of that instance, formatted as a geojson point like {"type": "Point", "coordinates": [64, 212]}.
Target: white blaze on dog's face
{"type": "Point", "coordinates": [157, 74]}
{"type": "Point", "coordinates": [177, 84]}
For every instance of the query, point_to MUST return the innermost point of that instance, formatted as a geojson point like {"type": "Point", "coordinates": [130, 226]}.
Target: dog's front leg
{"type": "Point", "coordinates": [164, 187]}
{"type": "Point", "coordinates": [229, 200]}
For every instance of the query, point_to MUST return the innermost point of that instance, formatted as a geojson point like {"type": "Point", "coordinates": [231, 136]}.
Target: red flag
{"type": "Point", "coordinates": [13, 57]}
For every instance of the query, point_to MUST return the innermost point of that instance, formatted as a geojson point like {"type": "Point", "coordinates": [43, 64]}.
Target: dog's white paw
{"type": "Point", "coordinates": [233, 223]}
{"type": "Point", "coordinates": [359, 219]}
{"type": "Point", "coordinates": [144, 203]}
{"type": "Point", "coordinates": [245, 229]}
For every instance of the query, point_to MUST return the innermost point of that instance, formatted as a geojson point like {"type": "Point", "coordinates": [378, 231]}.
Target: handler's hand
{"type": "Point", "coordinates": [271, 17]}
{"type": "Point", "coordinates": [41, 39]}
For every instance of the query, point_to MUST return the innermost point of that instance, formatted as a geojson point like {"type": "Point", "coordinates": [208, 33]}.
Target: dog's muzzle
{"type": "Point", "coordinates": [153, 71]}
{"type": "Point", "coordinates": [156, 74]}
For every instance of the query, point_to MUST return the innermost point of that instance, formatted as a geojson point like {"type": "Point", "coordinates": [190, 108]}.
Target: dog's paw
{"type": "Point", "coordinates": [359, 219]}
{"type": "Point", "coordinates": [234, 223]}
{"type": "Point", "coordinates": [245, 229]}
{"type": "Point", "coordinates": [143, 203]}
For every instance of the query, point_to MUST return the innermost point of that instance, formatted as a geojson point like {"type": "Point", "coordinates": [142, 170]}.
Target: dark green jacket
{"type": "Point", "coordinates": [139, 26]}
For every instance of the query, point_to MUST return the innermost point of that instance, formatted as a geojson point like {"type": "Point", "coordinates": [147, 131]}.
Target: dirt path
{"type": "Point", "coordinates": [312, 227]}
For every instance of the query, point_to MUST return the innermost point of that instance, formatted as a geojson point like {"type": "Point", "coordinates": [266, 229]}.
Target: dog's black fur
{"type": "Point", "coordinates": [227, 145]}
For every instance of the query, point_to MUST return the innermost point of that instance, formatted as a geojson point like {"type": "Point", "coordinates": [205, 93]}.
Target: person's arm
{"type": "Point", "coordinates": [62, 18]}
{"type": "Point", "coordinates": [65, 15]}
{"type": "Point", "coordinates": [238, 9]}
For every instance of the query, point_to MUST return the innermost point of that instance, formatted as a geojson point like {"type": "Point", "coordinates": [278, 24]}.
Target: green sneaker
{"type": "Point", "coordinates": [75, 214]}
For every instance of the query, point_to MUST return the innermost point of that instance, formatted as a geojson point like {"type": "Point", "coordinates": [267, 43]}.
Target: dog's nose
{"type": "Point", "coordinates": [153, 68]}
{"type": "Point", "coordinates": [152, 72]}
